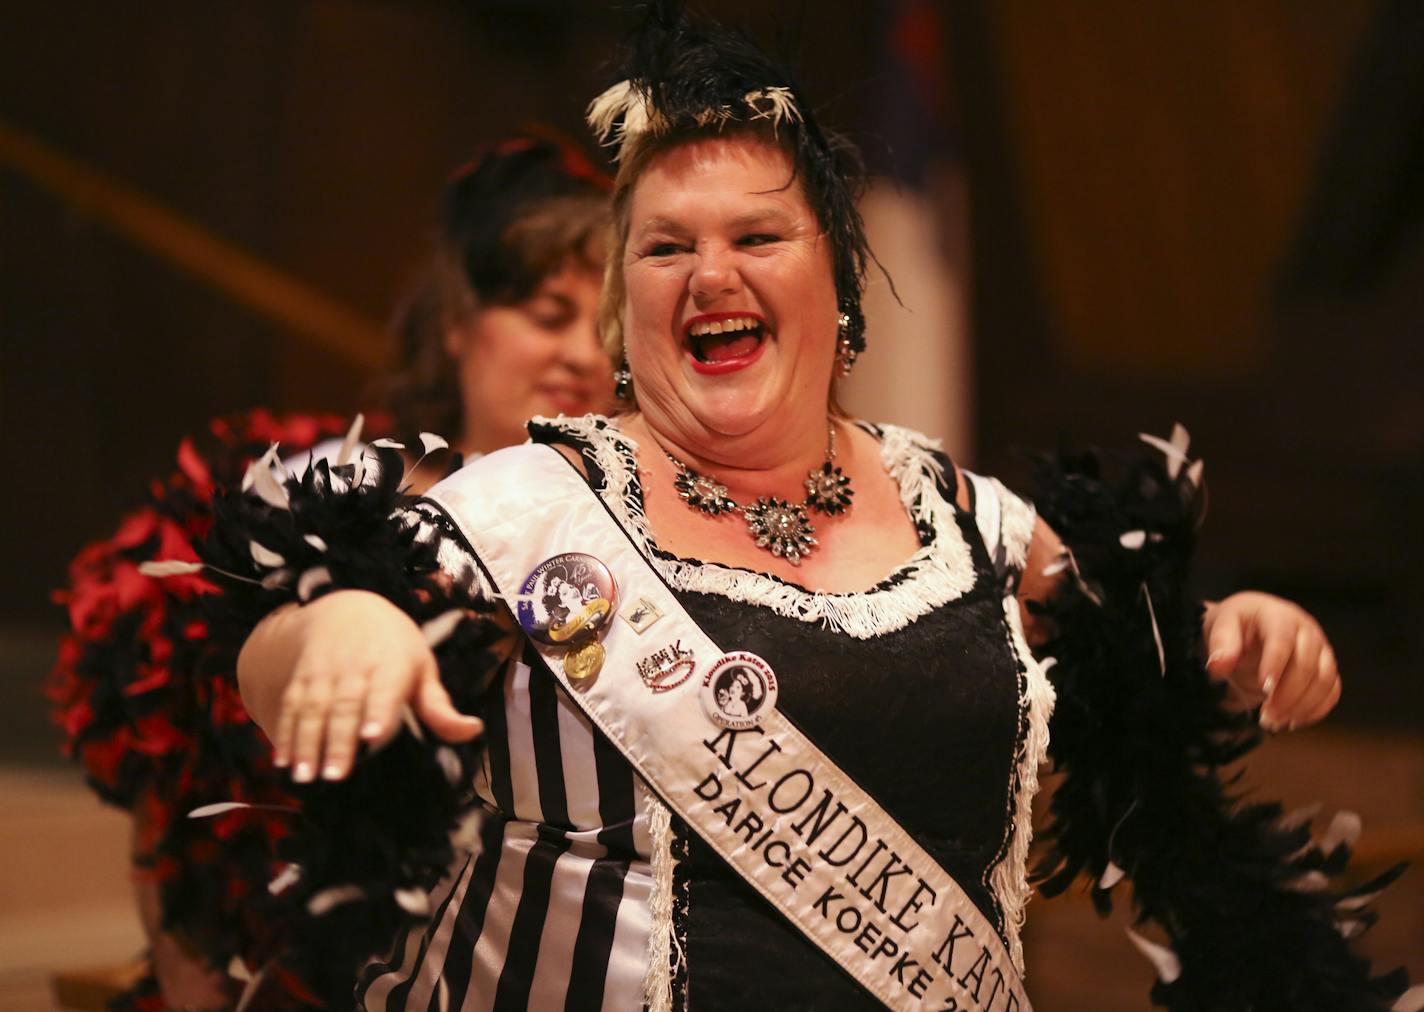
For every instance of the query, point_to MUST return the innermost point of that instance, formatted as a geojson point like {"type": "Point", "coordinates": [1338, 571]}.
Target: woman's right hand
{"type": "Point", "coordinates": [328, 676]}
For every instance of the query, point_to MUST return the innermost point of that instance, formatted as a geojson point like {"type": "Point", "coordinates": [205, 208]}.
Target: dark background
{"type": "Point", "coordinates": [1205, 212]}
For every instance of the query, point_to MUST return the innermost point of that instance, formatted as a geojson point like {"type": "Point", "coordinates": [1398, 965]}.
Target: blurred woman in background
{"type": "Point", "coordinates": [499, 328]}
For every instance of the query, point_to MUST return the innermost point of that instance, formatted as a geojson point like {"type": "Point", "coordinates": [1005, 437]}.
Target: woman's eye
{"type": "Point", "coordinates": [550, 317]}
{"type": "Point", "coordinates": [758, 239]}
{"type": "Point", "coordinates": [664, 249]}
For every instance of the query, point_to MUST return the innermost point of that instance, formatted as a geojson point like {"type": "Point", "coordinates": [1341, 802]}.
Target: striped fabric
{"type": "Point", "coordinates": [552, 909]}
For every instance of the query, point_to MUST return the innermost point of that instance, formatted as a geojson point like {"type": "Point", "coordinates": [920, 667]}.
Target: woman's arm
{"type": "Point", "coordinates": [1271, 651]}
{"type": "Point", "coordinates": [323, 678]}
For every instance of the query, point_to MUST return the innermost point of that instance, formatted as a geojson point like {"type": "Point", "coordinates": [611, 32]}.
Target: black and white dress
{"type": "Point", "coordinates": [581, 891]}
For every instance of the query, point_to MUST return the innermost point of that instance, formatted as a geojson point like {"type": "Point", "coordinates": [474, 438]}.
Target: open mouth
{"type": "Point", "coordinates": [725, 339]}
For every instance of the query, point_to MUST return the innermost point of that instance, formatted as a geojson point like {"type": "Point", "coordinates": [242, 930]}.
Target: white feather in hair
{"type": "Point", "coordinates": [623, 112]}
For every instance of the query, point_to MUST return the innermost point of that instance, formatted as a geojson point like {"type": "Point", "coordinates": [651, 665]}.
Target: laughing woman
{"type": "Point", "coordinates": [796, 771]}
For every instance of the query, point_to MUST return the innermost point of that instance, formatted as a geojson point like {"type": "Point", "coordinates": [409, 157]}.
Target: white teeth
{"type": "Point", "coordinates": [724, 326]}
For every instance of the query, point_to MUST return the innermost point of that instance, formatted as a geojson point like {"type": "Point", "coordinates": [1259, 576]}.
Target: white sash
{"type": "Point", "coordinates": [777, 809]}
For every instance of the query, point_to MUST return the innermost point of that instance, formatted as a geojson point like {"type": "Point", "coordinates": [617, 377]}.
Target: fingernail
{"type": "Point", "coordinates": [304, 773]}
{"type": "Point", "coordinates": [281, 761]}
{"type": "Point", "coordinates": [1268, 685]}
{"type": "Point", "coordinates": [371, 729]}
{"type": "Point", "coordinates": [1213, 657]}
{"type": "Point", "coordinates": [333, 771]}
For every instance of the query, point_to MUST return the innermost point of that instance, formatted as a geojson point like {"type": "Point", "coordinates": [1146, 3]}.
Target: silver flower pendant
{"type": "Point", "coordinates": [703, 493]}
{"type": "Point", "coordinates": [828, 490]}
{"type": "Point", "coordinates": [781, 528]}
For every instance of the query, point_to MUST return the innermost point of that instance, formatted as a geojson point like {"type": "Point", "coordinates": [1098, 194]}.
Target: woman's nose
{"type": "Point", "coordinates": [715, 275]}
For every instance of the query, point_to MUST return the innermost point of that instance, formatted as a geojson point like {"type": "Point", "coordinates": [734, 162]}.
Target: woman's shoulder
{"type": "Point", "coordinates": [1005, 521]}
{"type": "Point", "coordinates": [907, 455]}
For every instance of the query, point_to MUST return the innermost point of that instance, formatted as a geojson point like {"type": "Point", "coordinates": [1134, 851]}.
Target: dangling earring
{"type": "Point", "coordinates": [623, 381]}
{"type": "Point", "coordinates": [848, 344]}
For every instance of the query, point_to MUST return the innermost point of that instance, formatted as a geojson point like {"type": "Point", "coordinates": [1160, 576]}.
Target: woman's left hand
{"type": "Point", "coordinates": [1275, 655]}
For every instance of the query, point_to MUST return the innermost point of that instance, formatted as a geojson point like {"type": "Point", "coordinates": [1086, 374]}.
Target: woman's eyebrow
{"type": "Point", "coordinates": [770, 216]}
{"type": "Point", "coordinates": [761, 218]}
{"type": "Point", "coordinates": [658, 223]}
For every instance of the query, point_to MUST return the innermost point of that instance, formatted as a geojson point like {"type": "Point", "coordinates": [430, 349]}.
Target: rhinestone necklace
{"type": "Point", "coordinates": [777, 525]}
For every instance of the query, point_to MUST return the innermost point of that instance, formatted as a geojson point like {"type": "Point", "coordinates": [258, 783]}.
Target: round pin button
{"type": "Point", "coordinates": [739, 691]}
{"type": "Point", "coordinates": [568, 598]}
{"type": "Point", "coordinates": [583, 663]}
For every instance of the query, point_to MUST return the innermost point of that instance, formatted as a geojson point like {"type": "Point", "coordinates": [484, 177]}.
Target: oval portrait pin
{"type": "Point", "coordinates": [739, 690]}
{"type": "Point", "coordinates": [569, 597]}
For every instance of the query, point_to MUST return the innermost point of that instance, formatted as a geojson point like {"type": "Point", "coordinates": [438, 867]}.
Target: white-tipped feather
{"type": "Point", "coordinates": [250, 990]}
{"type": "Point", "coordinates": [220, 808]}
{"type": "Point", "coordinates": [1350, 929]}
{"type": "Point", "coordinates": [1111, 876]}
{"type": "Point", "coordinates": [1175, 449]}
{"type": "Point", "coordinates": [353, 436]}
{"type": "Point", "coordinates": [1156, 632]}
{"type": "Point", "coordinates": [266, 461]}
{"type": "Point", "coordinates": [264, 556]}
{"type": "Point", "coordinates": [265, 482]}
{"type": "Point", "coordinates": [169, 567]}
{"type": "Point", "coordinates": [311, 581]}
{"type": "Point", "coordinates": [1345, 829]}
{"type": "Point", "coordinates": [223, 807]}
{"type": "Point", "coordinates": [438, 629]}
{"type": "Point", "coordinates": [1310, 882]}
{"type": "Point", "coordinates": [1358, 902]}
{"type": "Point", "coordinates": [449, 764]}
{"type": "Point", "coordinates": [604, 111]}
{"type": "Point", "coordinates": [289, 876]}
{"type": "Point", "coordinates": [1166, 962]}
{"type": "Point", "coordinates": [329, 899]}
{"type": "Point", "coordinates": [775, 104]}
{"type": "Point", "coordinates": [413, 901]}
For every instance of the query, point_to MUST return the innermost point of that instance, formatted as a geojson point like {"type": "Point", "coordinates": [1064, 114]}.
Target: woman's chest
{"type": "Point", "coordinates": [927, 718]}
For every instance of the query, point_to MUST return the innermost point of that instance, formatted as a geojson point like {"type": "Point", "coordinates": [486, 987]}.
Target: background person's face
{"type": "Point", "coordinates": [536, 357]}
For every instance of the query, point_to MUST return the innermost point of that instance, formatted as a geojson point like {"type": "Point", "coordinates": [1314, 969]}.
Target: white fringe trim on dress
{"type": "Point", "coordinates": [664, 951]}
{"type": "Point", "coordinates": [1008, 878]}
{"type": "Point", "coordinates": [938, 573]}
{"type": "Point", "coordinates": [1016, 522]}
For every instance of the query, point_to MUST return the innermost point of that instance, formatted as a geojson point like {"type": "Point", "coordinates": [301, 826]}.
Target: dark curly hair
{"type": "Point", "coordinates": [507, 220]}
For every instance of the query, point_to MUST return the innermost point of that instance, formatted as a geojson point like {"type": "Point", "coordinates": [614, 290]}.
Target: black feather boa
{"type": "Point", "coordinates": [1242, 895]}
{"type": "Point", "coordinates": [368, 847]}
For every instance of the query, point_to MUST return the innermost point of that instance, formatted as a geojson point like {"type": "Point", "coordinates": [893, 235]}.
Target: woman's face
{"type": "Point", "coordinates": [537, 357]}
{"type": "Point", "coordinates": [721, 239]}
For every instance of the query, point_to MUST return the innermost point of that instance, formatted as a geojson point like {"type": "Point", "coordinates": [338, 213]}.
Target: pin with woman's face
{"type": "Point", "coordinates": [739, 691]}
{"type": "Point", "coordinates": [566, 600]}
